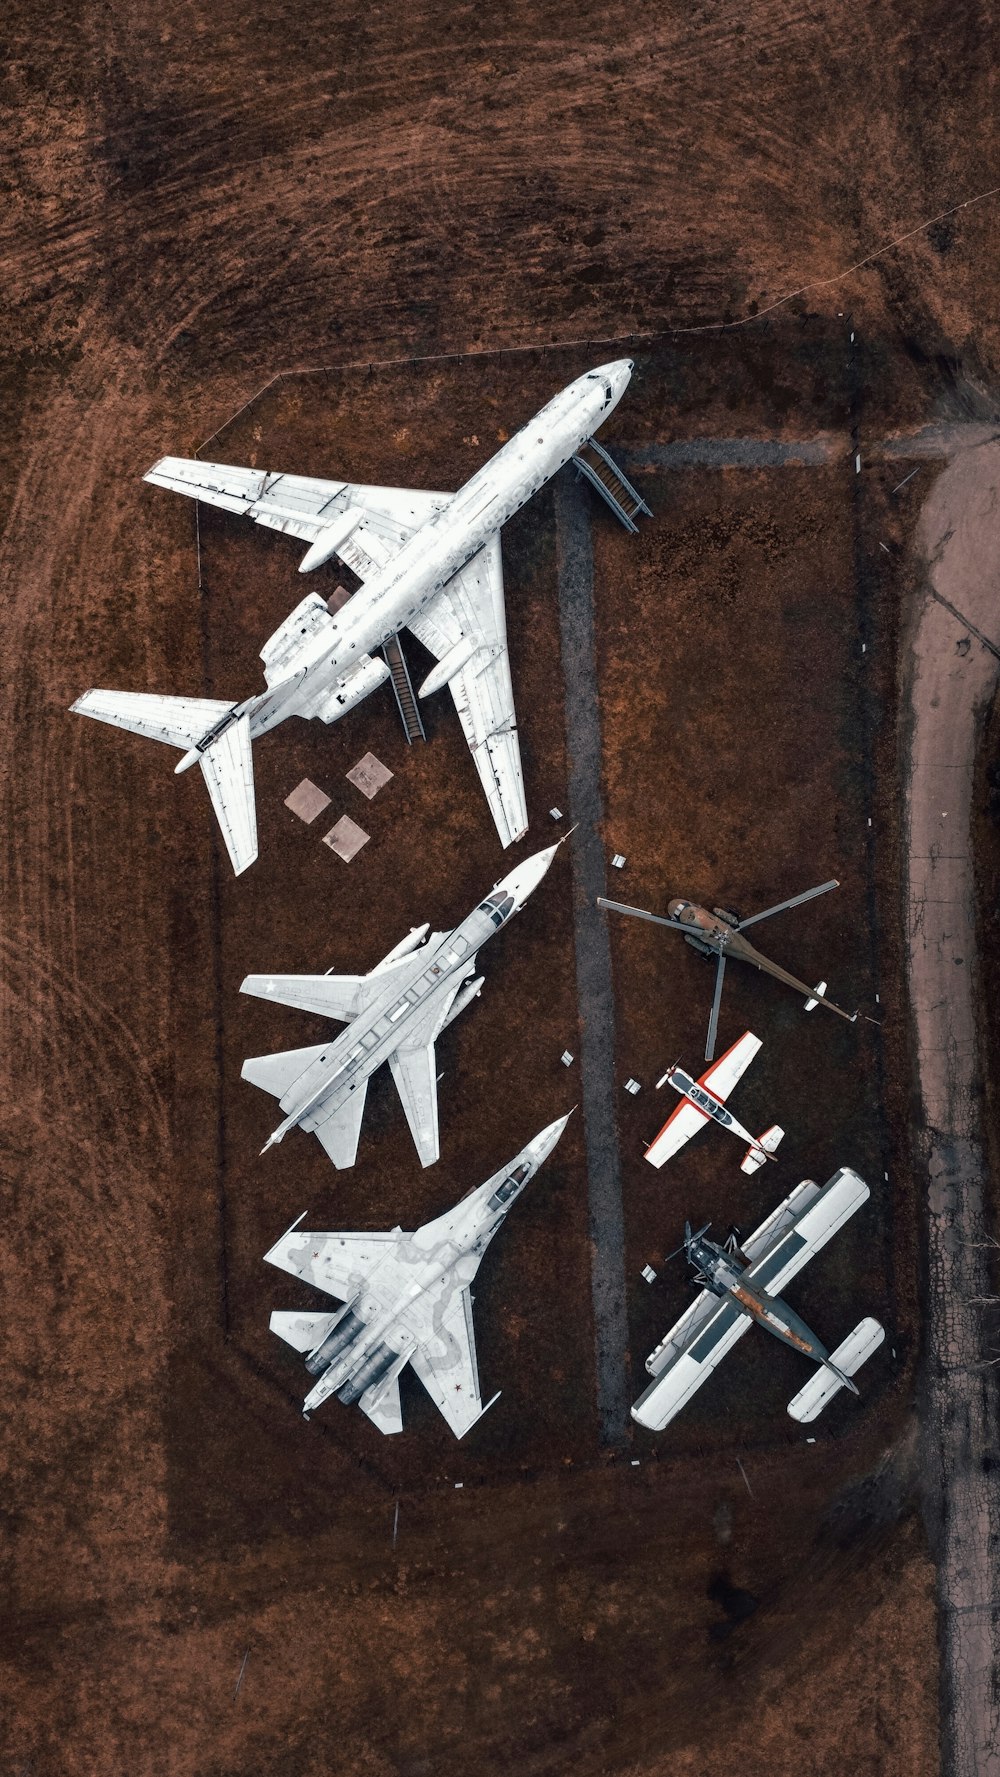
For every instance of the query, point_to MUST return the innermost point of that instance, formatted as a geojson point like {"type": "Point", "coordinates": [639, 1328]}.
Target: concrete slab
{"type": "Point", "coordinates": [346, 838]}
{"type": "Point", "coordinates": [307, 800]}
{"type": "Point", "coordinates": [369, 775]}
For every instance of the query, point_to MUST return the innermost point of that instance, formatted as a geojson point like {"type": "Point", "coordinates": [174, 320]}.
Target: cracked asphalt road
{"type": "Point", "coordinates": [954, 671]}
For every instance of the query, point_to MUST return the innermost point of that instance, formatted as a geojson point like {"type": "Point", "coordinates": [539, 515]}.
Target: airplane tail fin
{"type": "Point", "coordinates": [817, 994]}
{"type": "Point", "coordinates": [836, 1371]}
{"type": "Point", "coordinates": [763, 1149]}
{"type": "Point", "coordinates": [211, 735]}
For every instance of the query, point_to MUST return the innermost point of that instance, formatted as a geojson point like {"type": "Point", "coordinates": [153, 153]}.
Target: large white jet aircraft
{"type": "Point", "coordinates": [395, 1014]}
{"type": "Point", "coordinates": [407, 1300]}
{"type": "Point", "coordinates": [429, 562]}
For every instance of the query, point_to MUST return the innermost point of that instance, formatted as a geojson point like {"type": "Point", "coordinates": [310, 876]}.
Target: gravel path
{"type": "Point", "coordinates": [593, 954]}
{"type": "Point", "coordinates": [952, 676]}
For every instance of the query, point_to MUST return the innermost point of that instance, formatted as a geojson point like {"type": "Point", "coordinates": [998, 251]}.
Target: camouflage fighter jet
{"type": "Point", "coordinates": [406, 1300]}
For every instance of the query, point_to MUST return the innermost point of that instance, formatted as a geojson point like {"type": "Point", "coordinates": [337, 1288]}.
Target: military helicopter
{"type": "Point", "coordinates": [719, 933]}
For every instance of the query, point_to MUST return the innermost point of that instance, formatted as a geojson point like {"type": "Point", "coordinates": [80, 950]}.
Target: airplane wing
{"type": "Point", "coordinates": [687, 1356]}
{"type": "Point", "coordinates": [332, 996]}
{"type": "Point", "coordinates": [304, 507]}
{"type": "Point", "coordinates": [387, 1413]}
{"type": "Point", "coordinates": [679, 1127]}
{"type": "Point", "coordinates": [724, 1074]}
{"type": "Point", "coordinates": [445, 1359]}
{"type": "Point", "coordinates": [178, 721]}
{"type": "Point", "coordinates": [470, 609]}
{"type": "Point", "coordinates": [798, 1241]}
{"type": "Point", "coordinates": [336, 1263]}
{"type": "Point", "coordinates": [340, 1130]}
{"type": "Point", "coordinates": [416, 1082]}
{"type": "Point", "coordinates": [413, 1067]}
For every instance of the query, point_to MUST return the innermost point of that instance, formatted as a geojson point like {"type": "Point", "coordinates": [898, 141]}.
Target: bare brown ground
{"type": "Point", "coordinates": [198, 197]}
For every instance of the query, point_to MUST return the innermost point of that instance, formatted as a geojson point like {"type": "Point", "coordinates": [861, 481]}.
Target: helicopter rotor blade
{"type": "Point", "coordinates": [638, 913]}
{"type": "Point", "coordinates": [713, 1017]}
{"type": "Point", "coordinates": [782, 906]}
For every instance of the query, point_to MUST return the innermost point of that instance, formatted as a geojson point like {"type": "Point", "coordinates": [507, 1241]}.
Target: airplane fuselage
{"type": "Point", "coordinates": [709, 1104]}
{"type": "Point", "coordinates": [442, 546]}
{"type": "Point", "coordinates": [724, 1277]}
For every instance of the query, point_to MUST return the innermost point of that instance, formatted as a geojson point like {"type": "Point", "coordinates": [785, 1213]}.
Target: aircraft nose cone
{"type": "Point", "coordinates": [525, 877]}
{"type": "Point", "coordinates": [543, 1143]}
{"type": "Point", "coordinates": [617, 375]}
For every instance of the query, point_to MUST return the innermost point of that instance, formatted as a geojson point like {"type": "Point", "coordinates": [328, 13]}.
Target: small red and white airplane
{"type": "Point", "coordinates": [704, 1102]}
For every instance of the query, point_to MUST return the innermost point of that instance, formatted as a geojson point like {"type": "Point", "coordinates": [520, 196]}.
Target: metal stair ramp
{"type": "Point", "coordinates": [406, 702]}
{"type": "Point", "coordinates": [592, 461]}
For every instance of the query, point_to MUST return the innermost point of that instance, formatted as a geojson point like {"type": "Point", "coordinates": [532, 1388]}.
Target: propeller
{"type": "Point", "coordinates": [686, 1242]}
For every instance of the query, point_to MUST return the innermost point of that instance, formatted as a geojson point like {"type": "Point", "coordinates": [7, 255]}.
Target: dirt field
{"type": "Point", "coordinates": [196, 200]}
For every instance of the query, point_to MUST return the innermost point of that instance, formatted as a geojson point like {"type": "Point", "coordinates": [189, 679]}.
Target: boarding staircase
{"type": "Point", "coordinates": [593, 462]}
{"type": "Point", "coordinates": [406, 703]}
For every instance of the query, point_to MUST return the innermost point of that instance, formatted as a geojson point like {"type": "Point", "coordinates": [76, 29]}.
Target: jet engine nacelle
{"type": "Point", "coordinates": [448, 667]}
{"type": "Point", "coordinates": [375, 1365]}
{"type": "Point", "coordinates": [463, 998]}
{"type": "Point", "coordinates": [335, 1342]}
{"type": "Point", "coordinates": [330, 539]}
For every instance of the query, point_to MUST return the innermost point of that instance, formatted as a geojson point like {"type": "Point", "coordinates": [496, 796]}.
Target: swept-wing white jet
{"type": "Point", "coordinates": [395, 1014]}
{"type": "Point", "coordinates": [703, 1101]}
{"type": "Point", "coordinates": [736, 1294]}
{"type": "Point", "coordinates": [406, 1301]}
{"type": "Point", "coordinates": [429, 562]}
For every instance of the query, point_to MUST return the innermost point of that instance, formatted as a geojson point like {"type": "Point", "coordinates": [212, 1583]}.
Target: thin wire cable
{"type": "Point", "coordinates": [838, 277]}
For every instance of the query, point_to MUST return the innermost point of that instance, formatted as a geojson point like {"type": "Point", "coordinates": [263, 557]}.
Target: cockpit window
{"type": "Point", "coordinates": [511, 1184]}
{"type": "Point", "coordinates": [498, 906]}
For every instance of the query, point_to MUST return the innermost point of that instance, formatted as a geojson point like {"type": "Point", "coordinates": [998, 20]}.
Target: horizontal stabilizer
{"type": "Point", "coordinates": [848, 1357]}
{"type": "Point", "coordinates": [303, 1331]}
{"type": "Point", "coordinates": [177, 721]}
{"type": "Point", "coordinates": [341, 1132]}
{"type": "Point", "coordinates": [765, 1144]}
{"type": "Point", "coordinates": [276, 1073]}
{"type": "Point", "coordinates": [385, 1411]}
{"type": "Point", "coordinates": [227, 767]}
{"type": "Point", "coordinates": [818, 992]}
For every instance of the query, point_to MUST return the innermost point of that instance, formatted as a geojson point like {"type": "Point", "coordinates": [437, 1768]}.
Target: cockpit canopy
{"type": "Point", "coordinates": [683, 910]}
{"type": "Point", "coordinates": [498, 906]}
{"type": "Point", "coordinates": [511, 1184]}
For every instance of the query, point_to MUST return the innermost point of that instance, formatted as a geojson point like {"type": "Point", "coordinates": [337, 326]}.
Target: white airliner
{"type": "Point", "coordinates": [703, 1101]}
{"type": "Point", "coordinates": [429, 562]}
